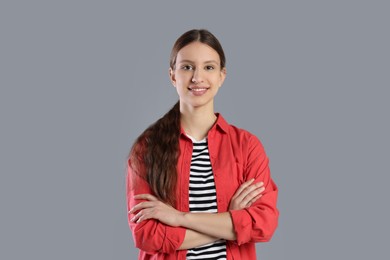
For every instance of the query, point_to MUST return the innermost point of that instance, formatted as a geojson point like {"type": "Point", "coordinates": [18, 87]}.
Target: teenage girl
{"type": "Point", "coordinates": [198, 187]}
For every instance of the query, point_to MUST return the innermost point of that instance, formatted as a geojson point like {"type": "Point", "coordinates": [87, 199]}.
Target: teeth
{"type": "Point", "coordinates": [198, 89]}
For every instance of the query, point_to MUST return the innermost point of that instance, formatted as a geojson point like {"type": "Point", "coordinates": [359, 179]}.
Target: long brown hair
{"type": "Point", "coordinates": [155, 153]}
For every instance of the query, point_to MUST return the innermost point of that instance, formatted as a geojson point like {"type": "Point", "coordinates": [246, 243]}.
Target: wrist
{"type": "Point", "coordinates": [182, 218]}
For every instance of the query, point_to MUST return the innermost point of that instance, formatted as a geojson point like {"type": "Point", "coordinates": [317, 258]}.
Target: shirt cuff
{"type": "Point", "coordinates": [242, 224]}
{"type": "Point", "coordinates": [174, 237]}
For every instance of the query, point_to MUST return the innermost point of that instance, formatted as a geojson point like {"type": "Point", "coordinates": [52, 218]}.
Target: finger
{"type": "Point", "coordinates": [137, 216]}
{"type": "Point", "coordinates": [145, 197]}
{"type": "Point", "coordinates": [248, 190]}
{"type": "Point", "coordinates": [251, 195]}
{"type": "Point", "coordinates": [253, 200]}
{"type": "Point", "coordinates": [144, 214]}
{"type": "Point", "coordinates": [142, 205]}
{"type": "Point", "coordinates": [251, 188]}
{"type": "Point", "coordinates": [256, 198]}
{"type": "Point", "coordinates": [242, 187]}
{"type": "Point", "coordinates": [143, 217]}
{"type": "Point", "coordinates": [260, 184]}
{"type": "Point", "coordinates": [248, 198]}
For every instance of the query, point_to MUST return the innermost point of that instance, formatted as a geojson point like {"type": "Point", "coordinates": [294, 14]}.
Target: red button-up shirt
{"type": "Point", "coordinates": [236, 156]}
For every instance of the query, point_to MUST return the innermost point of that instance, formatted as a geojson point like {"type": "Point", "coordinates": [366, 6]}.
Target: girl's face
{"type": "Point", "coordinates": [197, 75]}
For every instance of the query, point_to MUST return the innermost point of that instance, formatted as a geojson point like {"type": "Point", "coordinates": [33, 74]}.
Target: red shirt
{"type": "Point", "coordinates": [236, 156]}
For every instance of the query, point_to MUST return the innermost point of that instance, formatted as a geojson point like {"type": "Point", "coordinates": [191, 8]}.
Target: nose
{"type": "Point", "coordinates": [197, 77]}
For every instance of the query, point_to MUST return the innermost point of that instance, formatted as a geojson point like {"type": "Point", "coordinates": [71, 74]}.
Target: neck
{"type": "Point", "coordinates": [196, 122]}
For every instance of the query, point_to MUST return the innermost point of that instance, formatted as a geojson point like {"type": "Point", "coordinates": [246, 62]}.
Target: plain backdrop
{"type": "Point", "coordinates": [80, 80]}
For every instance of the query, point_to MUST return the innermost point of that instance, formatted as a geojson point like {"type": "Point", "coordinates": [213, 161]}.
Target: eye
{"type": "Point", "coordinates": [209, 67]}
{"type": "Point", "coordinates": [187, 67]}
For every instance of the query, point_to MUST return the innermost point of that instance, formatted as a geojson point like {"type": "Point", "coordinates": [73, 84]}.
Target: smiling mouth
{"type": "Point", "coordinates": [198, 89]}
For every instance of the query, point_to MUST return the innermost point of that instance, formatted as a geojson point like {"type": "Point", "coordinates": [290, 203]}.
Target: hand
{"type": "Point", "coordinates": [246, 195]}
{"type": "Point", "coordinates": [155, 209]}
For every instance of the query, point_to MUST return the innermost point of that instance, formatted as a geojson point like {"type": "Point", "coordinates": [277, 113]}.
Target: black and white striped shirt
{"type": "Point", "coordinates": [203, 198]}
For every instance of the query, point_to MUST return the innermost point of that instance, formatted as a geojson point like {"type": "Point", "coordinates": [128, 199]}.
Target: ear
{"type": "Point", "coordinates": [223, 76]}
{"type": "Point", "coordinates": [172, 77]}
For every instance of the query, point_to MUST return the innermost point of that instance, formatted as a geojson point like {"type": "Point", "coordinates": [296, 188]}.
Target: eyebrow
{"type": "Point", "coordinates": [207, 61]}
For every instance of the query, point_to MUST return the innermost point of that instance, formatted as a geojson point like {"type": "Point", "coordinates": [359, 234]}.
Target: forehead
{"type": "Point", "coordinates": [197, 52]}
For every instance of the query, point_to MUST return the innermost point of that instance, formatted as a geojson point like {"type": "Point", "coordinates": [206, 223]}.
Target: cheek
{"type": "Point", "coordinates": [217, 80]}
{"type": "Point", "coordinates": [181, 84]}
{"type": "Point", "coordinates": [217, 83]}
{"type": "Point", "coordinates": [182, 80]}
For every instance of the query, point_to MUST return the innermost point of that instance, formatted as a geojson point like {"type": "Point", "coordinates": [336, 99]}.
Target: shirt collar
{"type": "Point", "coordinates": [220, 124]}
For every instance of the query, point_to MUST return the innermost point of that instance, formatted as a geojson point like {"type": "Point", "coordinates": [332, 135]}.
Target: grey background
{"type": "Point", "coordinates": [81, 79]}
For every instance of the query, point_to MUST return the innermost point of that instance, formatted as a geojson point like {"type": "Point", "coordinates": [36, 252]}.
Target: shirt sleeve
{"type": "Point", "coordinates": [150, 235]}
{"type": "Point", "coordinates": [258, 222]}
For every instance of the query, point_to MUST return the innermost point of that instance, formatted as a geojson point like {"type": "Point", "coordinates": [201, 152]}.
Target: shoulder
{"type": "Point", "coordinates": [239, 136]}
{"type": "Point", "coordinates": [238, 131]}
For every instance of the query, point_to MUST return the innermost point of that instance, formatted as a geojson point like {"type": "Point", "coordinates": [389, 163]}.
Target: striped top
{"type": "Point", "coordinates": [203, 198]}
